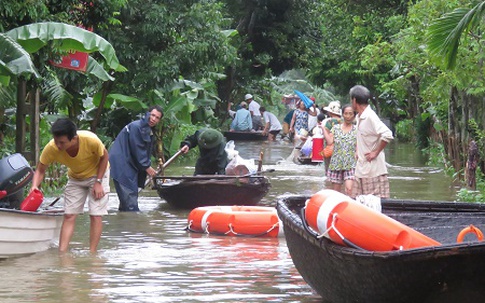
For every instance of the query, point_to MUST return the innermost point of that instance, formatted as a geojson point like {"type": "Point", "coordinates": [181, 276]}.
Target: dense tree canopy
{"type": "Point", "coordinates": [193, 56]}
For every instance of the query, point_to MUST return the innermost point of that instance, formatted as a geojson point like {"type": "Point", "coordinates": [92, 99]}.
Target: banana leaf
{"type": "Point", "coordinates": [33, 37]}
{"type": "Point", "coordinates": [14, 60]}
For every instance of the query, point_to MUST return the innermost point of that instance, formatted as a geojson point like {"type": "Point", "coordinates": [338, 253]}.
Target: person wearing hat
{"type": "Point", "coordinates": [213, 157]}
{"type": "Point", "coordinates": [242, 119]}
{"type": "Point", "coordinates": [253, 107]}
{"type": "Point", "coordinates": [334, 112]}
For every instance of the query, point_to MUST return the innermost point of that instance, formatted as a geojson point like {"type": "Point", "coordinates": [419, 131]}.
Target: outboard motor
{"type": "Point", "coordinates": [15, 174]}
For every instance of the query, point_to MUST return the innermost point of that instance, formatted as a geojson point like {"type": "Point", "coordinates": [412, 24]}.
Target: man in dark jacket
{"type": "Point", "coordinates": [129, 157]}
{"type": "Point", "coordinates": [213, 156]}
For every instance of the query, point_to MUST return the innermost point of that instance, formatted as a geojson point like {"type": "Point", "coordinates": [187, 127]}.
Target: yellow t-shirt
{"type": "Point", "coordinates": [85, 164]}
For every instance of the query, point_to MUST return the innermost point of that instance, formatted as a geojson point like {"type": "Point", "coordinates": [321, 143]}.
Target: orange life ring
{"type": "Point", "coordinates": [347, 222]}
{"type": "Point", "coordinates": [236, 221]}
{"type": "Point", "coordinates": [468, 230]}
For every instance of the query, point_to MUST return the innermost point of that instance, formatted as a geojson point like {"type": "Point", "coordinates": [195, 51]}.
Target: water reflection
{"type": "Point", "coordinates": [149, 257]}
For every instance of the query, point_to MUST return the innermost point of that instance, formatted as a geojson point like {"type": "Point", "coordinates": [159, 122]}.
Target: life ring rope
{"type": "Point", "coordinates": [469, 230]}
{"type": "Point", "coordinates": [231, 230]}
{"type": "Point", "coordinates": [345, 240]}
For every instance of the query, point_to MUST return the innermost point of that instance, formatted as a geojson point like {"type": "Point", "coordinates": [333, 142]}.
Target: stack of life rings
{"type": "Point", "coordinates": [349, 223]}
{"type": "Point", "coordinates": [252, 221]}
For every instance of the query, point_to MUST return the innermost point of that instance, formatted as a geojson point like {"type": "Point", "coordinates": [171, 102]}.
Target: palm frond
{"type": "Point", "coordinates": [444, 33]}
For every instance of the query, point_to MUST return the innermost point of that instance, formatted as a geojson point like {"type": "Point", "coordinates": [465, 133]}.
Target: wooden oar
{"type": "Point", "coordinates": [219, 177]}
{"type": "Point", "coordinates": [167, 163]}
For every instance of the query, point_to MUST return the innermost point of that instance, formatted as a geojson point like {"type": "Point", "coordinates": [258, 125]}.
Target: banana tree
{"type": "Point", "coordinates": [18, 45]}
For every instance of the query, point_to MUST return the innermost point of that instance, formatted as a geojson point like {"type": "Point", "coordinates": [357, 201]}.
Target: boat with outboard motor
{"type": "Point", "coordinates": [436, 270]}
{"type": "Point", "coordinates": [23, 229]}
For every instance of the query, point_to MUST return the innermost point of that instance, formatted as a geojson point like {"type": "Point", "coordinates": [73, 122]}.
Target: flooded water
{"type": "Point", "coordinates": [149, 257]}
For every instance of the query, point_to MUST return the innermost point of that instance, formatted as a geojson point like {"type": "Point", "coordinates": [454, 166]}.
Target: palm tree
{"type": "Point", "coordinates": [445, 32]}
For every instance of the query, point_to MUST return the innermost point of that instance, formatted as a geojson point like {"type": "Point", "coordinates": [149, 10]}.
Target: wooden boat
{"type": "Point", "coordinates": [210, 190]}
{"type": "Point", "coordinates": [245, 136]}
{"type": "Point", "coordinates": [25, 232]}
{"type": "Point", "coordinates": [450, 272]}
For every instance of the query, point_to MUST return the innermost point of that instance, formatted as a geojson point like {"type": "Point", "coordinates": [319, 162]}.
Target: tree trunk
{"type": "Point", "coordinates": [471, 166]}
{"type": "Point", "coordinates": [104, 92]}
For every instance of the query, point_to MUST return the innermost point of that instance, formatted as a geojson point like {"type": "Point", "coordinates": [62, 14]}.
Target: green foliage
{"type": "Point", "coordinates": [437, 158]}
{"type": "Point", "coordinates": [405, 130]}
{"type": "Point", "coordinates": [478, 195]}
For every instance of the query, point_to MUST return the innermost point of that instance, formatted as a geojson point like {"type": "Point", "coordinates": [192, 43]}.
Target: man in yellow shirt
{"type": "Point", "coordinates": [86, 158]}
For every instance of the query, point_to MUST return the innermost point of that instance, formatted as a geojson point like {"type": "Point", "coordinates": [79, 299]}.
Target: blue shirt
{"type": "Point", "coordinates": [242, 121]}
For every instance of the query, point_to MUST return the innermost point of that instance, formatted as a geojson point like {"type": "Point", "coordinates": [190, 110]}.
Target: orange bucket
{"type": "Point", "coordinates": [344, 221]}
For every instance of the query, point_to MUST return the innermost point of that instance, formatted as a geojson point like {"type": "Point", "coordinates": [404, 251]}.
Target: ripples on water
{"type": "Point", "coordinates": [149, 257]}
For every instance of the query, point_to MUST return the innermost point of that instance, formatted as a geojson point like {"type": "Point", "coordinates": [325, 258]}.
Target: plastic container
{"type": "Point", "coordinates": [317, 155]}
{"type": "Point", "coordinates": [33, 201]}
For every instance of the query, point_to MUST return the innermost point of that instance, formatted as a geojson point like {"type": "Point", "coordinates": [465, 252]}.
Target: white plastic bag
{"type": "Point", "coordinates": [307, 147]}
{"type": "Point", "coordinates": [231, 150]}
{"type": "Point", "coordinates": [371, 201]}
{"type": "Point", "coordinates": [239, 166]}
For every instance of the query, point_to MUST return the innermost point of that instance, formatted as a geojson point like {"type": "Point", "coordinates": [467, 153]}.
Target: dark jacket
{"type": "Point", "coordinates": [129, 156]}
{"type": "Point", "coordinates": [211, 161]}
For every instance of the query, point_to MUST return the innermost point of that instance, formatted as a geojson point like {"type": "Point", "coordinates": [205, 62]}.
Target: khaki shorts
{"type": "Point", "coordinates": [77, 191]}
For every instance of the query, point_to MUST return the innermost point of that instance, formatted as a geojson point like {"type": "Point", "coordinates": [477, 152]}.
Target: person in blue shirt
{"type": "Point", "coordinates": [129, 158]}
{"type": "Point", "coordinates": [242, 119]}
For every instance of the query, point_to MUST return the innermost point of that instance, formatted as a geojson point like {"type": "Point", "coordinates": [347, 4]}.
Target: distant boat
{"type": "Point", "coordinates": [211, 190]}
{"type": "Point", "coordinates": [245, 136]}
{"type": "Point", "coordinates": [450, 272]}
{"type": "Point", "coordinates": [24, 232]}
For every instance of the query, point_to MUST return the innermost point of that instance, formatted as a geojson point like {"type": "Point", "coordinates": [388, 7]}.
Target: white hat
{"type": "Point", "coordinates": [334, 108]}
{"type": "Point", "coordinates": [248, 96]}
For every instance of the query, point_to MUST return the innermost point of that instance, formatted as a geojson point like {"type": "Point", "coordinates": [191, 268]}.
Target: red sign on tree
{"type": "Point", "coordinates": [75, 61]}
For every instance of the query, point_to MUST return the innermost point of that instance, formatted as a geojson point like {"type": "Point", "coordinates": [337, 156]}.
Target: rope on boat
{"type": "Point", "coordinates": [332, 226]}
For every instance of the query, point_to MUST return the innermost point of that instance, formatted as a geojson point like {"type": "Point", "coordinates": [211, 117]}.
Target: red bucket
{"type": "Point", "coordinates": [33, 201]}
{"type": "Point", "coordinates": [317, 150]}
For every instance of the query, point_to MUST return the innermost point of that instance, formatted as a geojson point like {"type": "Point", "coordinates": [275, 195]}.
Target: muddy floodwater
{"type": "Point", "coordinates": [149, 256]}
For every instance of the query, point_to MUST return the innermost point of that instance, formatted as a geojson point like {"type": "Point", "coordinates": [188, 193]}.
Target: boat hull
{"type": "Point", "coordinates": [23, 233]}
{"type": "Point", "coordinates": [447, 273]}
{"type": "Point", "coordinates": [245, 136]}
{"type": "Point", "coordinates": [189, 194]}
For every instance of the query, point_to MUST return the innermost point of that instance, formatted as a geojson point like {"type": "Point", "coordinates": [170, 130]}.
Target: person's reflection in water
{"type": "Point", "coordinates": [80, 279]}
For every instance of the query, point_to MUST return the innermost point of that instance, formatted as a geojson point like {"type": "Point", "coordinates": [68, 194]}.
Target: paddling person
{"type": "Point", "coordinates": [130, 158]}
{"type": "Point", "coordinates": [86, 158]}
{"type": "Point", "coordinates": [213, 157]}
